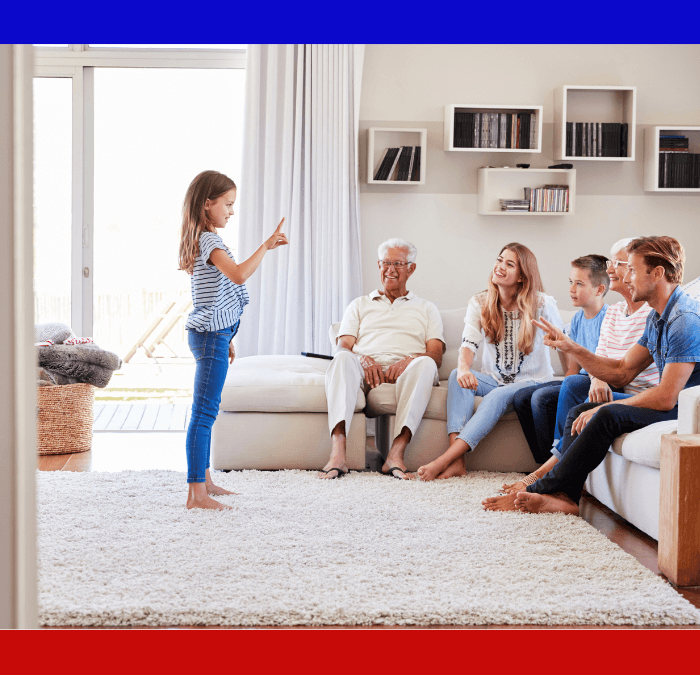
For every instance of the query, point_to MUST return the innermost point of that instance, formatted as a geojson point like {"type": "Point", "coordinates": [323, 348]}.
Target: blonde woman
{"type": "Point", "coordinates": [514, 355]}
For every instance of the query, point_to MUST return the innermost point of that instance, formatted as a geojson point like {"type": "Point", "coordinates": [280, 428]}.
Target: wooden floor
{"type": "Point", "coordinates": [141, 416]}
{"type": "Point", "coordinates": [154, 450]}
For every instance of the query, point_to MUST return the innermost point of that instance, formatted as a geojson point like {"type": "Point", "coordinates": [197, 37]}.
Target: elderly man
{"type": "Point", "coordinates": [389, 336]}
{"type": "Point", "coordinates": [671, 339]}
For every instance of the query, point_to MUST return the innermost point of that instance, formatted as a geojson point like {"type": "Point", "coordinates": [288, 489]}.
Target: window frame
{"type": "Point", "coordinates": [78, 63]}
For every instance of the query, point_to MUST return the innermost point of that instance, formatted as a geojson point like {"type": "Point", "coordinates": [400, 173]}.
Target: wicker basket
{"type": "Point", "coordinates": [64, 418]}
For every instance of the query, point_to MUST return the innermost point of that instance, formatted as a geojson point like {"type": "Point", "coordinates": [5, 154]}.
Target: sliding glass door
{"type": "Point", "coordinates": [53, 170]}
{"type": "Point", "coordinates": [154, 130]}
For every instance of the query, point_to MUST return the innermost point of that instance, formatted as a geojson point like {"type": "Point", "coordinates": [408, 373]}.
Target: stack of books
{"type": "Point", "coordinates": [596, 139]}
{"type": "Point", "coordinates": [400, 164]}
{"type": "Point", "coordinates": [494, 130]}
{"type": "Point", "coordinates": [678, 167]}
{"type": "Point", "coordinates": [549, 198]}
{"type": "Point", "coordinates": [515, 204]}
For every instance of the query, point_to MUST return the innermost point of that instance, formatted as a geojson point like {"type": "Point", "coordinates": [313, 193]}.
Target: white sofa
{"type": "Point", "coordinates": [273, 416]}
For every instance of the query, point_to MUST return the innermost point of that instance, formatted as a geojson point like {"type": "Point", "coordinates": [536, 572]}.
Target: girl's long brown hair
{"type": "Point", "coordinates": [526, 299]}
{"type": "Point", "coordinates": [207, 185]}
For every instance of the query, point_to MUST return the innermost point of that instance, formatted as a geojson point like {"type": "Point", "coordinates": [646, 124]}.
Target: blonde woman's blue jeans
{"type": "Point", "coordinates": [470, 425]}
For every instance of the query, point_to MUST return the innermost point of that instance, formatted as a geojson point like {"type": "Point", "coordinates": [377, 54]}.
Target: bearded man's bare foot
{"type": "Point", "coordinates": [206, 502]}
{"type": "Point", "coordinates": [531, 502]}
{"type": "Point", "coordinates": [454, 469]}
{"type": "Point", "coordinates": [502, 503]}
{"type": "Point", "coordinates": [518, 486]}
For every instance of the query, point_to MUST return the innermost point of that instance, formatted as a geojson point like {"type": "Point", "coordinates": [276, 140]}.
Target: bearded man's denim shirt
{"type": "Point", "coordinates": [674, 336]}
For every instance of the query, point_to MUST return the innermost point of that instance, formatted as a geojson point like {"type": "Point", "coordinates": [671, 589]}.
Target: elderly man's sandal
{"type": "Point", "coordinates": [335, 468]}
{"type": "Point", "coordinates": [391, 473]}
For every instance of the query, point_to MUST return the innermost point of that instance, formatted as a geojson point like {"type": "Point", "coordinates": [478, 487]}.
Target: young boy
{"type": "Point", "coordinates": [536, 406]}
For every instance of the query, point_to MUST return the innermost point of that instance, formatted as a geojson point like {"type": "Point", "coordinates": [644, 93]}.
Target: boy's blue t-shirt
{"type": "Point", "coordinates": [586, 332]}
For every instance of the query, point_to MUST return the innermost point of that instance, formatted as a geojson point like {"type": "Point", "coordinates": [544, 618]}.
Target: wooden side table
{"type": "Point", "coordinates": [679, 509]}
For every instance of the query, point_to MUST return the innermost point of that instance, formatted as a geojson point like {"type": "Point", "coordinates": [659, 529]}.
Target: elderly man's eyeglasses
{"type": "Point", "coordinates": [386, 264]}
{"type": "Point", "coordinates": [613, 264]}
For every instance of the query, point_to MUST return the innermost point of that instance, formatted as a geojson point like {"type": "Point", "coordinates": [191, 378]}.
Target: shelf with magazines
{"type": "Point", "coordinates": [595, 123]}
{"type": "Point", "coordinates": [526, 192]}
{"type": "Point", "coordinates": [471, 127]}
{"type": "Point", "coordinates": [672, 159]}
{"type": "Point", "coordinates": [396, 156]}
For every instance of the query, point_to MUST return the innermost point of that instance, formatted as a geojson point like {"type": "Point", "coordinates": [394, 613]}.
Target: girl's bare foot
{"type": "Point", "coordinates": [207, 503]}
{"type": "Point", "coordinates": [215, 489]}
{"type": "Point", "coordinates": [198, 498]}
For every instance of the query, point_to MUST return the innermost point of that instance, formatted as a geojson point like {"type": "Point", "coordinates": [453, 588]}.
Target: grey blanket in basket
{"type": "Point", "coordinates": [69, 364]}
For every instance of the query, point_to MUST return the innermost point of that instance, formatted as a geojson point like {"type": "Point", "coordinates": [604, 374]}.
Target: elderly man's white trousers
{"type": "Point", "coordinates": [413, 387]}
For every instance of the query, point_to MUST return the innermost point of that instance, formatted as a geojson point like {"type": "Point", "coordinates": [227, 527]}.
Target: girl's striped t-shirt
{"type": "Point", "coordinates": [618, 333]}
{"type": "Point", "coordinates": [218, 302]}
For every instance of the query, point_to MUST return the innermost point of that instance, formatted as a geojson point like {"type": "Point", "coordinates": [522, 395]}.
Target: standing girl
{"type": "Point", "coordinates": [514, 355]}
{"type": "Point", "coordinates": [218, 298]}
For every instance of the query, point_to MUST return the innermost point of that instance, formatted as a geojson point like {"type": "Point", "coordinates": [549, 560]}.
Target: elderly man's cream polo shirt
{"type": "Point", "coordinates": [388, 332]}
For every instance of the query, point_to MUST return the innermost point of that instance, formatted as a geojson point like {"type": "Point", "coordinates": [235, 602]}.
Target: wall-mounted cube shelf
{"type": "Point", "coordinates": [380, 139]}
{"type": "Point", "coordinates": [652, 154]}
{"type": "Point", "coordinates": [585, 104]}
{"type": "Point", "coordinates": [499, 137]}
{"type": "Point", "coordinates": [494, 184]}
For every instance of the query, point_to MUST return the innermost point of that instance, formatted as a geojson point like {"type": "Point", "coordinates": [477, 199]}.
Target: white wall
{"type": "Point", "coordinates": [408, 85]}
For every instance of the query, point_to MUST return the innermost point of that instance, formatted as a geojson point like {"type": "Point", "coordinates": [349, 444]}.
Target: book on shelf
{"type": "Point", "coordinates": [679, 170]}
{"type": "Point", "coordinates": [515, 204]}
{"type": "Point", "coordinates": [596, 139]}
{"type": "Point", "coordinates": [404, 161]}
{"type": "Point", "coordinates": [400, 164]}
{"type": "Point", "coordinates": [386, 164]}
{"type": "Point", "coordinates": [493, 130]}
{"type": "Point", "coordinates": [415, 171]}
{"type": "Point", "coordinates": [549, 198]}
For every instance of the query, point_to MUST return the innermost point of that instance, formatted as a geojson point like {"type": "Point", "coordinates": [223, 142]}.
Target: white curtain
{"type": "Point", "coordinates": [300, 161]}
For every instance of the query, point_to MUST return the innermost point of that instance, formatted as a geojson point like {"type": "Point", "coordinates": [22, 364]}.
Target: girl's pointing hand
{"type": "Point", "coordinates": [278, 238]}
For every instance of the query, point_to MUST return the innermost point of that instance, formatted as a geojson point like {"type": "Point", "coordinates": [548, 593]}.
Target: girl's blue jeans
{"type": "Point", "coordinates": [210, 350]}
{"type": "Point", "coordinates": [472, 426]}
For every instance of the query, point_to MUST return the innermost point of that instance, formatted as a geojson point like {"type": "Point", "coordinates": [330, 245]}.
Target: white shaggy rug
{"type": "Point", "coordinates": [121, 549]}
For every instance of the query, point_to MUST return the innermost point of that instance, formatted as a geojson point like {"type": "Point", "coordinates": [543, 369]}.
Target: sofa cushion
{"type": "Point", "coordinates": [644, 445]}
{"type": "Point", "coordinates": [692, 288]}
{"type": "Point", "coordinates": [278, 384]}
{"type": "Point", "coordinates": [382, 401]}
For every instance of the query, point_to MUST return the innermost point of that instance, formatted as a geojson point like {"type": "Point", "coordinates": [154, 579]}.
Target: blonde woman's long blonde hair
{"type": "Point", "coordinates": [526, 298]}
{"type": "Point", "coordinates": [207, 185]}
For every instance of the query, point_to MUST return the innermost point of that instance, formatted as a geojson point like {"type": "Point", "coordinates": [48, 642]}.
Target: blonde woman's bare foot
{"type": "Point", "coordinates": [454, 469]}
{"type": "Point", "coordinates": [430, 471]}
{"type": "Point", "coordinates": [206, 502]}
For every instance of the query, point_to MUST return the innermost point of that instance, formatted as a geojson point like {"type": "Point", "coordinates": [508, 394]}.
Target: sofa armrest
{"type": "Point", "coordinates": [689, 411]}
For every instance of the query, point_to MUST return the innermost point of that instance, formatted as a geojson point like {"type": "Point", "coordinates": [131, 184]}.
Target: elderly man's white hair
{"type": "Point", "coordinates": [622, 244]}
{"type": "Point", "coordinates": [411, 250]}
